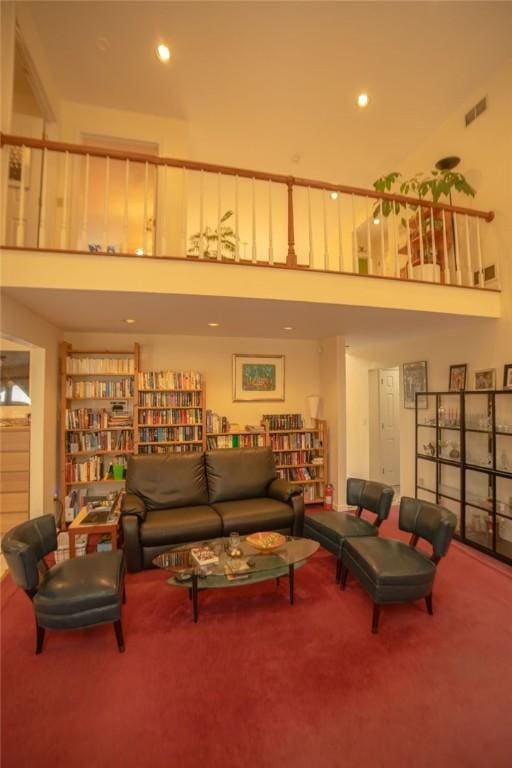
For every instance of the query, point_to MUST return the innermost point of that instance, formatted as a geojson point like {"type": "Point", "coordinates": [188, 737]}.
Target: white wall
{"type": "Point", "coordinates": [213, 357]}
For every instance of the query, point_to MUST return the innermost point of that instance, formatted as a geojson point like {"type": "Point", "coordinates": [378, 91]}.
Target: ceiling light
{"type": "Point", "coordinates": [287, 327]}
{"type": "Point", "coordinates": [129, 320]}
{"type": "Point", "coordinates": [363, 100]}
{"type": "Point", "coordinates": [334, 195]}
{"type": "Point", "coordinates": [214, 325]}
{"type": "Point", "coordinates": [163, 52]}
{"type": "Point", "coordinates": [139, 251]}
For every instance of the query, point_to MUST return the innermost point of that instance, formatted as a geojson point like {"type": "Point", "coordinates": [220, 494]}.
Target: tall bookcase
{"type": "Point", "coordinates": [97, 393]}
{"type": "Point", "coordinates": [464, 462]}
{"type": "Point", "coordinates": [301, 453]}
{"type": "Point", "coordinates": [170, 412]}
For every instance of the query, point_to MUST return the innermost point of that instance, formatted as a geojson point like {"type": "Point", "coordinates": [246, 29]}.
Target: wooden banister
{"type": "Point", "coordinates": [289, 181]}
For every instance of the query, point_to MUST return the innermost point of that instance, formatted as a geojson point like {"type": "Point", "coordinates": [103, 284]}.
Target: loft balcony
{"type": "Point", "coordinates": [76, 212]}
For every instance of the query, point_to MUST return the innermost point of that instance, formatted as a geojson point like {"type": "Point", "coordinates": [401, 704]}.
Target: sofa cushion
{"type": "Point", "coordinates": [165, 481]}
{"type": "Point", "coordinates": [173, 526]}
{"type": "Point", "coordinates": [387, 562]}
{"type": "Point", "coordinates": [252, 515]}
{"type": "Point", "coordinates": [240, 473]}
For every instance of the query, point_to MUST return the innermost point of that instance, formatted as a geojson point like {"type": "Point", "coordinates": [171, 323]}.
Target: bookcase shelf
{"type": "Point", "coordinates": [169, 412]}
{"type": "Point", "coordinates": [95, 377]}
{"type": "Point", "coordinates": [475, 479]}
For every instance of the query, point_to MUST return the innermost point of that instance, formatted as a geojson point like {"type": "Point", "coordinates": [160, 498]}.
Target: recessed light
{"type": "Point", "coordinates": [139, 251]}
{"type": "Point", "coordinates": [163, 52]}
{"type": "Point", "coordinates": [214, 325]}
{"type": "Point", "coordinates": [129, 320]}
{"type": "Point", "coordinates": [287, 327]}
{"type": "Point", "coordinates": [334, 195]}
{"type": "Point", "coordinates": [363, 100]}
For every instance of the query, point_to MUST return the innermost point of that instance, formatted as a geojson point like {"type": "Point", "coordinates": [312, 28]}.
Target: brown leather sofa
{"type": "Point", "coordinates": [178, 498]}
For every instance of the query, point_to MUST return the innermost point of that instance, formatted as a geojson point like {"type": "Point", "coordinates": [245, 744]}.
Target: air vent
{"type": "Point", "coordinates": [489, 274]}
{"type": "Point", "coordinates": [476, 111]}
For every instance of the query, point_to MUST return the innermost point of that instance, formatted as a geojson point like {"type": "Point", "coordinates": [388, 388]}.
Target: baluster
{"type": "Point", "coordinates": [409, 249]}
{"type": "Point", "coordinates": [163, 220]}
{"type": "Point", "coordinates": [41, 240]}
{"type": "Point", "coordinates": [105, 205]}
{"type": "Point", "coordinates": [434, 247]}
{"type": "Point", "coordinates": [396, 255]}
{"type": "Point", "coordinates": [145, 211]}
{"type": "Point", "coordinates": [20, 226]}
{"type": "Point", "coordinates": [291, 259]}
{"type": "Point", "coordinates": [447, 276]}
{"type": "Point", "coordinates": [270, 225]}
{"type": "Point", "coordinates": [201, 215]}
{"type": "Point", "coordinates": [382, 244]}
{"type": "Point", "coordinates": [458, 271]}
{"type": "Point", "coordinates": [254, 254]}
{"type": "Point", "coordinates": [237, 234]}
{"type": "Point", "coordinates": [326, 242]}
{"type": "Point", "coordinates": [310, 231]}
{"type": "Point", "coordinates": [422, 251]}
{"type": "Point", "coordinates": [355, 260]}
{"type": "Point", "coordinates": [468, 251]}
{"type": "Point", "coordinates": [369, 237]}
{"type": "Point", "coordinates": [340, 234]}
{"type": "Point", "coordinates": [124, 245]}
{"type": "Point", "coordinates": [479, 253]}
{"type": "Point", "coordinates": [184, 222]}
{"type": "Point", "coordinates": [64, 225]}
{"type": "Point", "coordinates": [219, 217]}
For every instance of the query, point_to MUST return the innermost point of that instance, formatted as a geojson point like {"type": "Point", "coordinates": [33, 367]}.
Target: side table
{"type": "Point", "coordinates": [77, 527]}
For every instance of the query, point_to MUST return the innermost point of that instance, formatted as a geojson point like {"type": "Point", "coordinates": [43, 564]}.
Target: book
{"type": "Point", "coordinates": [236, 569]}
{"type": "Point", "coordinates": [204, 556]}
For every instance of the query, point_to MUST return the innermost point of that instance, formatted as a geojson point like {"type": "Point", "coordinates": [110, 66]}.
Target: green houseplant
{"type": "Point", "coordinates": [214, 242]}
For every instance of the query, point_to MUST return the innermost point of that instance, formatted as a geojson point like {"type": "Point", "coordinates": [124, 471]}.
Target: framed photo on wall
{"type": "Point", "coordinates": [457, 377]}
{"type": "Point", "coordinates": [415, 380]}
{"type": "Point", "coordinates": [258, 378]}
{"type": "Point", "coordinates": [485, 379]}
{"type": "Point", "coordinates": [507, 376]}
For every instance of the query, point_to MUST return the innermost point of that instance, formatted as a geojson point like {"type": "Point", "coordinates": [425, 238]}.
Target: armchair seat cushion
{"type": "Point", "coordinates": [249, 515]}
{"type": "Point", "coordinates": [390, 570]}
{"type": "Point", "coordinates": [84, 586]}
{"type": "Point", "coordinates": [339, 525]}
{"type": "Point", "coordinates": [186, 523]}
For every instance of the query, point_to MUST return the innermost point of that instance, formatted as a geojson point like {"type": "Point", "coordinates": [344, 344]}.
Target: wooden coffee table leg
{"type": "Point", "coordinates": [291, 573]}
{"type": "Point", "coordinates": [195, 605]}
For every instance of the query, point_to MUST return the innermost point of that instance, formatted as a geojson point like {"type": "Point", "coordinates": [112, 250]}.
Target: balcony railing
{"type": "Point", "coordinates": [77, 198]}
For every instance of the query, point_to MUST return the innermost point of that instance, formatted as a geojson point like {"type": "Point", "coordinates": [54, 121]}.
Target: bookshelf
{"type": "Point", "coordinates": [97, 394]}
{"type": "Point", "coordinates": [464, 462]}
{"type": "Point", "coordinates": [220, 434]}
{"type": "Point", "coordinates": [170, 412]}
{"type": "Point", "coordinates": [301, 452]}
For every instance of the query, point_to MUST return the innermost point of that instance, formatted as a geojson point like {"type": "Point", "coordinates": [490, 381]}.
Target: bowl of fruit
{"type": "Point", "coordinates": [266, 541]}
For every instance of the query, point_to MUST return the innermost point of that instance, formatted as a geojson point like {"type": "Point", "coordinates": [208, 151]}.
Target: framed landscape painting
{"type": "Point", "coordinates": [458, 377]}
{"type": "Point", "coordinates": [485, 379]}
{"type": "Point", "coordinates": [258, 378]}
{"type": "Point", "coordinates": [415, 380]}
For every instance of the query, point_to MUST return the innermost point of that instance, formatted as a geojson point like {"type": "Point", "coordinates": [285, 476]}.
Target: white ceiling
{"type": "Point", "coordinates": [105, 311]}
{"type": "Point", "coordinates": [261, 82]}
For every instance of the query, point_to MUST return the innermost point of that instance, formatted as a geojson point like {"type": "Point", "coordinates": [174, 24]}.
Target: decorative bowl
{"type": "Point", "coordinates": [266, 541]}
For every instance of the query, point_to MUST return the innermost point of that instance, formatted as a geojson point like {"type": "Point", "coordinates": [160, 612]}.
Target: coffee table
{"type": "Point", "coordinates": [263, 565]}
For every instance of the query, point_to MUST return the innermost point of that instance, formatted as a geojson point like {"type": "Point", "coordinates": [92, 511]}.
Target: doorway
{"type": "Point", "coordinates": [384, 420]}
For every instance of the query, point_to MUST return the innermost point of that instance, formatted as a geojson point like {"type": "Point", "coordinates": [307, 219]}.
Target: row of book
{"type": "Point", "coordinates": [299, 457]}
{"type": "Point", "coordinates": [92, 469]}
{"type": "Point", "coordinates": [120, 440]}
{"type": "Point", "coordinates": [300, 441]}
{"type": "Point", "coordinates": [170, 434]}
{"type": "Point", "coordinates": [256, 440]}
{"type": "Point", "coordinates": [313, 493]}
{"type": "Point", "coordinates": [170, 416]}
{"type": "Point", "coordinates": [284, 420]}
{"type": "Point", "coordinates": [170, 399]}
{"type": "Point", "coordinates": [299, 473]}
{"type": "Point", "coordinates": [102, 365]}
{"type": "Point", "coordinates": [216, 423]}
{"type": "Point", "coordinates": [93, 418]}
{"type": "Point", "coordinates": [170, 380]}
{"type": "Point", "coordinates": [189, 448]}
{"type": "Point", "coordinates": [99, 389]}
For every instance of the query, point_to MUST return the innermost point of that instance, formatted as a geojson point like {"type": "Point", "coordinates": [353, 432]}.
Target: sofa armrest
{"type": "Point", "coordinates": [282, 490]}
{"type": "Point", "coordinates": [133, 505]}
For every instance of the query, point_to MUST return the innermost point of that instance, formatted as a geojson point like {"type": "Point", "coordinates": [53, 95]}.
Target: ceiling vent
{"type": "Point", "coordinates": [476, 111]}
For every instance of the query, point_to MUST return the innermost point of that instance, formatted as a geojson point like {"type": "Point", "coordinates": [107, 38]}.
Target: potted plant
{"type": "Point", "coordinates": [215, 242]}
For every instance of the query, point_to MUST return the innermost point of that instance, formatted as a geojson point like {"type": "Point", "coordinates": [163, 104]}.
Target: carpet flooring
{"type": "Point", "coordinates": [258, 682]}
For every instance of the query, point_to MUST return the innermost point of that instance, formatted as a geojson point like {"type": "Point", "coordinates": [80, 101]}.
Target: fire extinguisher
{"type": "Point", "coordinates": [328, 496]}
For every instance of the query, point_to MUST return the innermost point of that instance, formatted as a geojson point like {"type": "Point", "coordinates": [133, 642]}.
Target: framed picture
{"type": "Point", "coordinates": [19, 164]}
{"type": "Point", "coordinates": [415, 380]}
{"type": "Point", "coordinates": [457, 377]}
{"type": "Point", "coordinates": [258, 377]}
{"type": "Point", "coordinates": [507, 376]}
{"type": "Point", "coordinates": [485, 379]}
